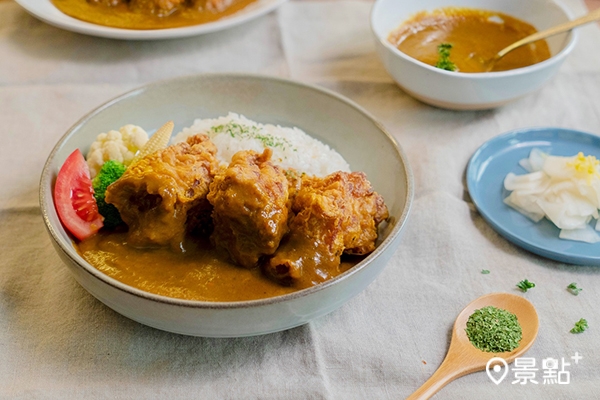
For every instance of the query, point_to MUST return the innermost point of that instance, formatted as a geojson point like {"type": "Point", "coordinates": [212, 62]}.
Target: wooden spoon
{"type": "Point", "coordinates": [463, 358]}
{"type": "Point", "coordinates": [567, 26]}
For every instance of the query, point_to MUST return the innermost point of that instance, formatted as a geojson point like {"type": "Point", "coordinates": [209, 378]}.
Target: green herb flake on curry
{"type": "Point", "coordinates": [444, 60]}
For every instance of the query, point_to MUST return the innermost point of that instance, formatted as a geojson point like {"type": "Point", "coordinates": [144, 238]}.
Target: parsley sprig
{"type": "Point", "coordinates": [574, 289]}
{"type": "Point", "coordinates": [525, 285]}
{"type": "Point", "coordinates": [580, 326]}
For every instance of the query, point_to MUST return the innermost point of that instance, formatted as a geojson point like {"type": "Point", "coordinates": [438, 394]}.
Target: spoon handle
{"type": "Point", "coordinates": [450, 369]}
{"type": "Point", "coordinates": [567, 26]}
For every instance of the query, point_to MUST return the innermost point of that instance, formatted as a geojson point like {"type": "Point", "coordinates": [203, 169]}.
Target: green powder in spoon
{"type": "Point", "coordinates": [494, 330]}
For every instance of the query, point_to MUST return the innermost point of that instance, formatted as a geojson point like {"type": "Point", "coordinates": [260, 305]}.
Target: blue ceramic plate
{"type": "Point", "coordinates": [499, 156]}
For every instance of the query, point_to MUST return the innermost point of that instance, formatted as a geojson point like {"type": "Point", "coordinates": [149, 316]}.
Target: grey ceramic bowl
{"type": "Point", "coordinates": [327, 116]}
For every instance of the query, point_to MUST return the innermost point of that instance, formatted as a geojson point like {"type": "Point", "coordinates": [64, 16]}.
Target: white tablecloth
{"type": "Point", "coordinates": [58, 342]}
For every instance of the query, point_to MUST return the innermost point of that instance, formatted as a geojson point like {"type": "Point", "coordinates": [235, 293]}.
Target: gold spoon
{"type": "Point", "coordinates": [567, 26]}
{"type": "Point", "coordinates": [463, 358]}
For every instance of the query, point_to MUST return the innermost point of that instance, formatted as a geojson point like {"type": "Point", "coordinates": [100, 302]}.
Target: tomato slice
{"type": "Point", "coordinates": [74, 198]}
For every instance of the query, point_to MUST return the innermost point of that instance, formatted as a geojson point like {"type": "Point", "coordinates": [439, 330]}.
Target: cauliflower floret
{"type": "Point", "coordinates": [118, 145]}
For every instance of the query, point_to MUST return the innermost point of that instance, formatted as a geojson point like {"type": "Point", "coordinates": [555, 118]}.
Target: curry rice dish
{"type": "Point", "coordinates": [198, 229]}
{"type": "Point", "coordinates": [150, 14]}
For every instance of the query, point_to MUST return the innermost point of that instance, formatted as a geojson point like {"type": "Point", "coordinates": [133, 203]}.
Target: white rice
{"type": "Point", "coordinates": [292, 148]}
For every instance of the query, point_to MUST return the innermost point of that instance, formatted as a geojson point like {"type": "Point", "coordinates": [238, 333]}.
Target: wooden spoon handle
{"type": "Point", "coordinates": [446, 373]}
{"type": "Point", "coordinates": [567, 26]}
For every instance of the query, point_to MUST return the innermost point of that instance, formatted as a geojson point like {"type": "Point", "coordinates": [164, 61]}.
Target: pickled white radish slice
{"type": "Point", "coordinates": [566, 190]}
{"type": "Point", "coordinates": [586, 234]}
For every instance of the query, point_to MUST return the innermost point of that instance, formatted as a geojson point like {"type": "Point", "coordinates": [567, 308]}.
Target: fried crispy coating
{"type": "Point", "coordinates": [158, 196]}
{"type": "Point", "coordinates": [336, 214]}
{"type": "Point", "coordinates": [164, 8]}
{"type": "Point", "coordinates": [107, 3]}
{"type": "Point", "coordinates": [161, 8]}
{"type": "Point", "coordinates": [250, 207]}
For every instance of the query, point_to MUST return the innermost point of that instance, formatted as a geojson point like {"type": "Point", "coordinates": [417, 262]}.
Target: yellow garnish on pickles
{"type": "Point", "coordinates": [585, 167]}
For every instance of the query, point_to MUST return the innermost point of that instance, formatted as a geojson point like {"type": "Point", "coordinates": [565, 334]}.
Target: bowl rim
{"type": "Point", "coordinates": [46, 200]}
{"type": "Point", "coordinates": [573, 36]}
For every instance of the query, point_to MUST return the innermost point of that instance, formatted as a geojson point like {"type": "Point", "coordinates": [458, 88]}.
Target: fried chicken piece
{"type": "Point", "coordinates": [250, 207]}
{"type": "Point", "coordinates": [215, 5]}
{"type": "Point", "coordinates": [163, 196]}
{"type": "Point", "coordinates": [368, 211]}
{"type": "Point", "coordinates": [161, 8]}
{"type": "Point", "coordinates": [107, 3]}
{"type": "Point", "coordinates": [294, 181]}
{"type": "Point", "coordinates": [336, 214]}
{"type": "Point", "coordinates": [164, 8]}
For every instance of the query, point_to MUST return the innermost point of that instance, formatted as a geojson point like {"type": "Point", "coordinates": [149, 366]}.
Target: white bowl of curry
{"type": "Point", "coordinates": [233, 301]}
{"type": "Point", "coordinates": [436, 50]}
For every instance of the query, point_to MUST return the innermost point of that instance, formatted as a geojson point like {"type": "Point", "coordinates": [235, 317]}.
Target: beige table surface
{"type": "Point", "coordinates": [58, 342]}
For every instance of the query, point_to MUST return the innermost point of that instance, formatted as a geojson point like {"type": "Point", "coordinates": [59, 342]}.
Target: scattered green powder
{"type": "Point", "coordinates": [252, 132]}
{"type": "Point", "coordinates": [525, 285]}
{"type": "Point", "coordinates": [494, 330]}
{"type": "Point", "coordinates": [580, 326]}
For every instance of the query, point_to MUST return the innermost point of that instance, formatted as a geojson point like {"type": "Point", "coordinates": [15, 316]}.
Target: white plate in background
{"type": "Point", "coordinates": [45, 11]}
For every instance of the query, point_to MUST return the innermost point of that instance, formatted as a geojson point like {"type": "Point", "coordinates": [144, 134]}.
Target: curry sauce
{"type": "Point", "coordinates": [122, 15]}
{"type": "Point", "coordinates": [199, 273]}
{"type": "Point", "coordinates": [474, 36]}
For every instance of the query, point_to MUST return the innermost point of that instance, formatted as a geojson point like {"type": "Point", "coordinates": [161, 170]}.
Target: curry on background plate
{"type": "Point", "coordinates": [150, 14]}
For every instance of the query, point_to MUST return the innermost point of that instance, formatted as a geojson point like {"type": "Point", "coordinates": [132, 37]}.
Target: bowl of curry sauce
{"type": "Point", "coordinates": [437, 50]}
